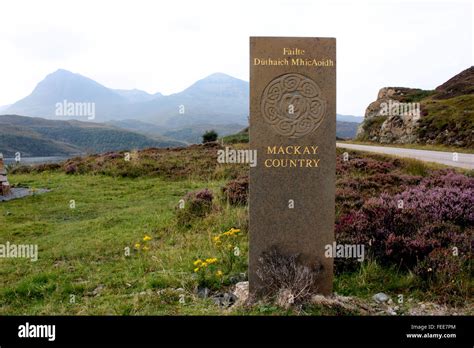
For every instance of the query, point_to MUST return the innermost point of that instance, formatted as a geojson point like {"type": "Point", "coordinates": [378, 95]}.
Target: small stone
{"type": "Point", "coordinates": [241, 291]}
{"type": "Point", "coordinates": [202, 292]}
{"type": "Point", "coordinates": [226, 299]}
{"type": "Point", "coordinates": [391, 311]}
{"type": "Point", "coordinates": [98, 290]}
{"type": "Point", "coordinates": [380, 297]}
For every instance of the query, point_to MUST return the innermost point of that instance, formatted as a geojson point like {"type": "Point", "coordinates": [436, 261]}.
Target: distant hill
{"type": "Point", "coordinates": [346, 130]}
{"type": "Point", "coordinates": [350, 118]}
{"type": "Point", "coordinates": [445, 117]}
{"type": "Point", "coordinates": [216, 99]}
{"type": "Point", "coordinates": [32, 136]}
{"type": "Point", "coordinates": [64, 85]}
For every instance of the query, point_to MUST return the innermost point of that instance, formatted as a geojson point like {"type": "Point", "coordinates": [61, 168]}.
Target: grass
{"type": "Point", "coordinates": [82, 250]}
{"type": "Point", "coordinates": [453, 116]}
{"type": "Point", "coordinates": [236, 138]}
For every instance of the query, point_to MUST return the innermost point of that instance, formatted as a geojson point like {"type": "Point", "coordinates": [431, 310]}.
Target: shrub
{"type": "Point", "coordinates": [70, 168]}
{"type": "Point", "coordinates": [448, 178]}
{"type": "Point", "coordinates": [236, 191]}
{"type": "Point", "coordinates": [197, 204]}
{"type": "Point", "coordinates": [283, 277]}
{"type": "Point", "coordinates": [430, 218]}
{"type": "Point", "coordinates": [209, 136]}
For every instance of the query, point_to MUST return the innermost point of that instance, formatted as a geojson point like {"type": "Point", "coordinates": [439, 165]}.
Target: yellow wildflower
{"type": "Point", "coordinates": [196, 270]}
{"type": "Point", "coordinates": [219, 273]}
{"type": "Point", "coordinates": [211, 260]}
{"type": "Point", "coordinates": [146, 238]}
{"type": "Point", "coordinates": [137, 245]}
{"type": "Point", "coordinates": [197, 262]}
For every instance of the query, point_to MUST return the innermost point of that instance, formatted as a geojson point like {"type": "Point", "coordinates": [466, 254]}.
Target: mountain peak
{"type": "Point", "coordinates": [219, 76]}
{"type": "Point", "coordinates": [61, 72]}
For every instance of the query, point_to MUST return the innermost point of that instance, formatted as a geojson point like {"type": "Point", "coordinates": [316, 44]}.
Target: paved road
{"type": "Point", "coordinates": [464, 160]}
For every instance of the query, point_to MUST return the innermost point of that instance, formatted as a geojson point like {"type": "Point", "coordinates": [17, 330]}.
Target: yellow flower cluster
{"type": "Point", "coordinates": [230, 233]}
{"type": "Point", "coordinates": [146, 239]}
{"type": "Point", "coordinates": [200, 264]}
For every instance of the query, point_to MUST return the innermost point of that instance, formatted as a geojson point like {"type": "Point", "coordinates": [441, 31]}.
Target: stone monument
{"type": "Point", "coordinates": [293, 129]}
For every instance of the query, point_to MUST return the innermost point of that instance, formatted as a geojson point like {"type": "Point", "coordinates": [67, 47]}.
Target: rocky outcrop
{"type": "Point", "coordinates": [402, 115]}
{"type": "Point", "coordinates": [392, 118]}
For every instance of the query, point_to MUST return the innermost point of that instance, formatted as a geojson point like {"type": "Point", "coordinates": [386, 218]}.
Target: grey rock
{"type": "Point", "coordinates": [202, 292]}
{"type": "Point", "coordinates": [380, 297]}
{"type": "Point", "coordinates": [225, 299]}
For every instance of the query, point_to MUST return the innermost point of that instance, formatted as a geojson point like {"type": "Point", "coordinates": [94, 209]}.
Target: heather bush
{"type": "Point", "coordinates": [448, 178]}
{"type": "Point", "coordinates": [373, 185]}
{"type": "Point", "coordinates": [70, 168]}
{"type": "Point", "coordinates": [236, 191]}
{"type": "Point", "coordinates": [449, 204]}
{"type": "Point", "coordinates": [404, 235]}
{"type": "Point", "coordinates": [364, 165]}
{"type": "Point", "coordinates": [347, 199]}
{"type": "Point", "coordinates": [197, 204]}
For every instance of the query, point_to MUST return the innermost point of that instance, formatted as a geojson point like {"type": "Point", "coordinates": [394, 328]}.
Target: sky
{"type": "Point", "coordinates": [165, 46]}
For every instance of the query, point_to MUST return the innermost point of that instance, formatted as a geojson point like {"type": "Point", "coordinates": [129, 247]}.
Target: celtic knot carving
{"type": "Point", "coordinates": [293, 105]}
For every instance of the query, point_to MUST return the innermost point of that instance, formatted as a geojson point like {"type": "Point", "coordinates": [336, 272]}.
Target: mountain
{"type": "Point", "coordinates": [216, 99]}
{"type": "Point", "coordinates": [34, 136]}
{"type": "Point", "coordinates": [442, 116]}
{"type": "Point", "coordinates": [63, 85]}
{"type": "Point", "coordinates": [346, 130]}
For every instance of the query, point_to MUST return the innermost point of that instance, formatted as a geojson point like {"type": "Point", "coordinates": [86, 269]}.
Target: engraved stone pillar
{"type": "Point", "coordinates": [293, 129]}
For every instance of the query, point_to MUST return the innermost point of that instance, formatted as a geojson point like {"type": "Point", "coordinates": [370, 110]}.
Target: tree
{"type": "Point", "coordinates": [209, 136]}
